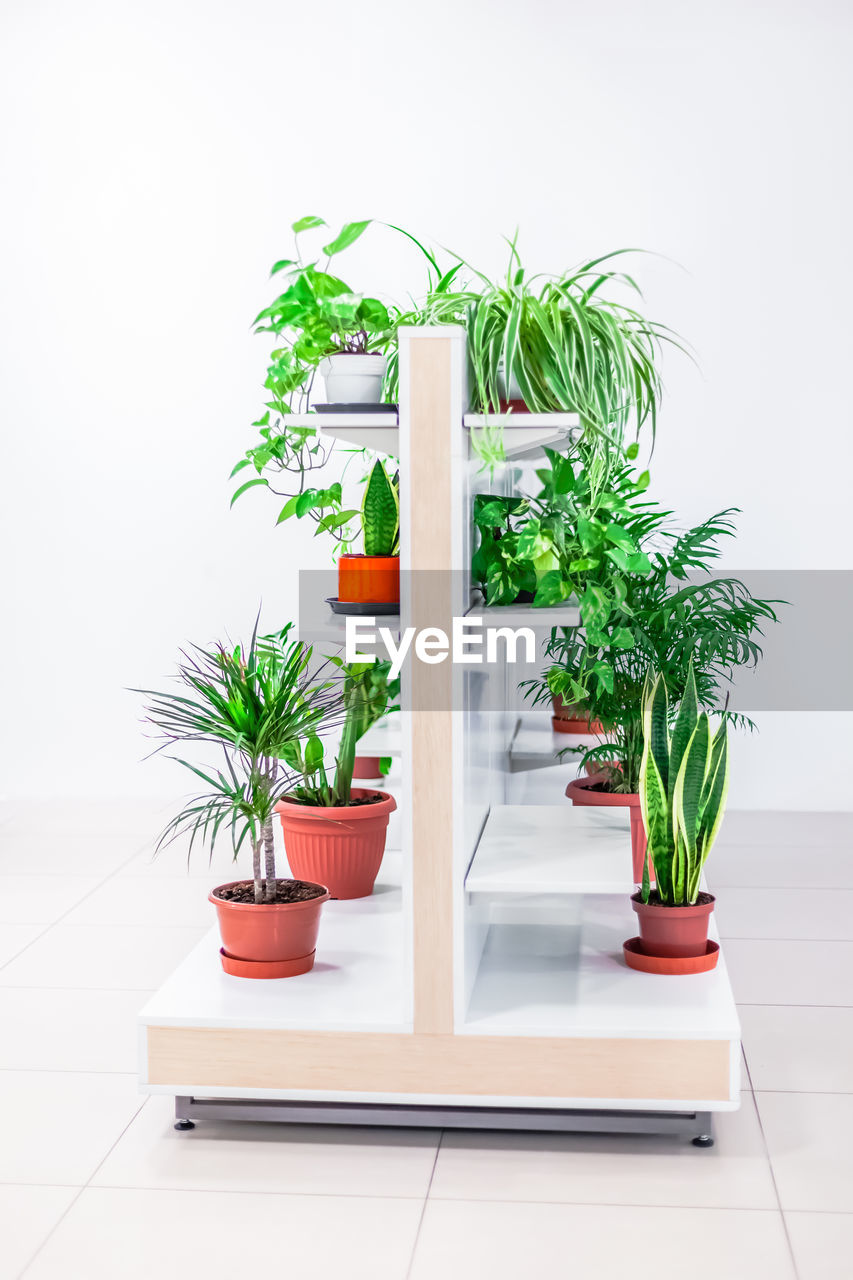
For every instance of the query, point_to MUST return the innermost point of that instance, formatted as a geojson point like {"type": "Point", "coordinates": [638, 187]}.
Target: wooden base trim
{"type": "Point", "coordinates": [482, 1066]}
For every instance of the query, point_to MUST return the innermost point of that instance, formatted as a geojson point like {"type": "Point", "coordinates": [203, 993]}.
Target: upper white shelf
{"type": "Point", "coordinates": [318, 625]}
{"type": "Point", "coordinates": [518, 615]}
{"type": "Point", "coordinates": [376, 431]}
{"type": "Point", "coordinates": [385, 738]}
{"type": "Point", "coordinates": [553, 849]}
{"type": "Point", "coordinates": [525, 434]}
{"type": "Point", "coordinates": [536, 745]}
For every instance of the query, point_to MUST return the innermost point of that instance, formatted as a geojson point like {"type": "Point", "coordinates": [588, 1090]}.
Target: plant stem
{"type": "Point", "coordinates": [256, 870]}
{"type": "Point", "coordinates": [269, 858]}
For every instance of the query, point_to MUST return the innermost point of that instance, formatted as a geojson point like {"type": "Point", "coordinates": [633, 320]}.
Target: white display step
{"type": "Point", "coordinates": [357, 982]}
{"type": "Point", "coordinates": [536, 745]}
{"type": "Point", "coordinates": [558, 980]}
{"type": "Point", "coordinates": [552, 849]}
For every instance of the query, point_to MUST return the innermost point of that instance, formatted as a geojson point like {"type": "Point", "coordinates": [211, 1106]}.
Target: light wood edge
{"type": "Point", "coordinates": [477, 1066]}
{"type": "Point", "coordinates": [429, 558]}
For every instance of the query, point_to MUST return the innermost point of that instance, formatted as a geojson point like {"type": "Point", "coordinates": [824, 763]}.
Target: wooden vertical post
{"type": "Point", "coordinates": [431, 407]}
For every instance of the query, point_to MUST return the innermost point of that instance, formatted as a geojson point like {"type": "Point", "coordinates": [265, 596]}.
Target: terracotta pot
{"type": "Point", "coordinates": [369, 579]}
{"type": "Point", "coordinates": [580, 792]}
{"type": "Point", "coordinates": [568, 718]}
{"type": "Point", "coordinates": [268, 939]}
{"type": "Point", "coordinates": [341, 846]}
{"type": "Point", "coordinates": [367, 767]}
{"type": "Point", "coordinates": [673, 932]}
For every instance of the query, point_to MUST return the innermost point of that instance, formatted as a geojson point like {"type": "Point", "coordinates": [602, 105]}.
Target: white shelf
{"type": "Point", "coordinates": [518, 615]}
{"type": "Point", "coordinates": [553, 849]}
{"type": "Point", "coordinates": [318, 625]}
{"type": "Point", "coordinates": [385, 738]}
{"type": "Point", "coordinates": [589, 990]}
{"type": "Point", "coordinates": [377, 431]}
{"type": "Point", "coordinates": [536, 745]}
{"type": "Point", "coordinates": [525, 434]}
{"type": "Point", "coordinates": [357, 982]}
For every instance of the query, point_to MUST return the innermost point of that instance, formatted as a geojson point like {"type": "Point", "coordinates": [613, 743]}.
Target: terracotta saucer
{"type": "Point", "coordinates": [637, 959]}
{"type": "Point", "coordinates": [266, 968]}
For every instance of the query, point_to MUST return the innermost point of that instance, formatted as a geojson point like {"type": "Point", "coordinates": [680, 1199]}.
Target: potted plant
{"type": "Point", "coordinates": [713, 621]}
{"type": "Point", "coordinates": [684, 779]}
{"type": "Point", "coordinates": [251, 704]}
{"type": "Point", "coordinates": [551, 343]}
{"type": "Point", "coordinates": [320, 326]}
{"type": "Point", "coordinates": [325, 326]}
{"type": "Point", "coordinates": [374, 576]}
{"type": "Point", "coordinates": [334, 832]}
{"type": "Point", "coordinates": [571, 539]}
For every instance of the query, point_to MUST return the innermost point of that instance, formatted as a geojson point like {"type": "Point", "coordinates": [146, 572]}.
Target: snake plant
{"type": "Point", "coordinates": [684, 781]}
{"type": "Point", "coordinates": [380, 513]}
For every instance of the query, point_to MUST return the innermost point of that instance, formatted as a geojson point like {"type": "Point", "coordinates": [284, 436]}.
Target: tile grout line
{"type": "Point", "coordinates": [776, 1187]}
{"type": "Point", "coordinates": [80, 1191]}
{"type": "Point", "coordinates": [424, 1206]}
{"type": "Point", "coordinates": [86, 896]}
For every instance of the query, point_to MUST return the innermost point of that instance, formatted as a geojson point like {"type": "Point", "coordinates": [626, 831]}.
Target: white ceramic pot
{"type": "Point", "coordinates": [353, 379]}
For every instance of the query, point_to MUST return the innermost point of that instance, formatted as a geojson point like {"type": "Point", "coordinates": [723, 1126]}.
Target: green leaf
{"type": "Point", "coordinates": [288, 509]}
{"type": "Point", "coordinates": [250, 484]}
{"type": "Point", "coordinates": [622, 638]}
{"type": "Point", "coordinates": [347, 236]}
{"type": "Point", "coordinates": [306, 224]}
{"type": "Point", "coordinates": [551, 589]}
{"type": "Point", "coordinates": [305, 501]}
{"type": "Point", "coordinates": [380, 513]}
{"type": "Point", "coordinates": [633, 450]}
{"type": "Point", "coordinates": [281, 264]}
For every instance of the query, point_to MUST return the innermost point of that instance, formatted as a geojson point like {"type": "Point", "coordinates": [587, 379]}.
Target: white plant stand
{"type": "Point", "coordinates": [483, 983]}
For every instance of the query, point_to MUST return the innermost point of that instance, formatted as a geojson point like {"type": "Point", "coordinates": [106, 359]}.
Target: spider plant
{"type": "Point", "coordinates": [555, 341]}
{"type": "Point", "coordinates": [251, 702]}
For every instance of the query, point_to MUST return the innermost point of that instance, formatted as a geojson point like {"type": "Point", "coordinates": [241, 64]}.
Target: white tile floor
{"type": "Point", "coordinates": [95, 1183]}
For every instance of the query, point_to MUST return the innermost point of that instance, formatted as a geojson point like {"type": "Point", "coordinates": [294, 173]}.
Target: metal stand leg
{"type": "Point", "coordinates": [182, 1120]}
{"type": "Point", "coordinates": [704, 1137]}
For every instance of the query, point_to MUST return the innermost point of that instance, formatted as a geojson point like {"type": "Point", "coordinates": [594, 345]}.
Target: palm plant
{"type": "Point", "coordinates": [252, 703]}
{"type": "Point", "coordinates": [709, 624]}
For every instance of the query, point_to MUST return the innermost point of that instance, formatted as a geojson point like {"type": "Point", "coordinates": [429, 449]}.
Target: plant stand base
{"type": "Point", "coordinates": [695, 1125]}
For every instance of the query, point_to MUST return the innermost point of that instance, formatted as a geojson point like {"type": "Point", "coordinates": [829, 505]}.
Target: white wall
{"type": "Point", "coordinates": [156, 152]}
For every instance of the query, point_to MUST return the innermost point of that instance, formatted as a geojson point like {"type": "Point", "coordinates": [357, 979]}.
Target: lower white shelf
{"type": "Point", "coordinates": [552, 849]}
{"type": "Point", "coordinates": [571, 979]}
{"type": "Point", "coordinates": [357, 983]}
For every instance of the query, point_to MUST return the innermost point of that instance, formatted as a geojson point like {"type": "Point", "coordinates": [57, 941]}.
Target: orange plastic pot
{"type": "Point", "coordinates": [673, 932]}
{"type": "Point", "coordinates": [268, 939]}
{"type": "Point", "coordinates": [571, 719]}
{"type": "Point", "coordinates": [580, 791]}
{"type": "Point", "coordinates": [369, 579]}
{"type": "Point", "coordinates": [340, 847]}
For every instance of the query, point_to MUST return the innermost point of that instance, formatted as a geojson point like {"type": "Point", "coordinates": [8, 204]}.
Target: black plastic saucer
{"type": "Point", "coordinates": [362, 608]}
